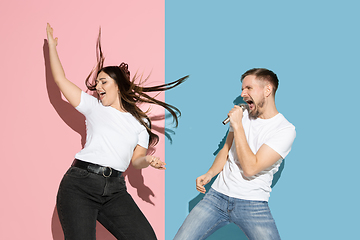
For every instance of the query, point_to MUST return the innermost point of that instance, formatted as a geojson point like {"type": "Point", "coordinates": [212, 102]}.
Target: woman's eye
{"type": "Point", "coordinates": [104, 82]}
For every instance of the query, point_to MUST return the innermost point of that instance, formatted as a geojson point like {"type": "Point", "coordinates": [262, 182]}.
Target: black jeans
{"type": "Point", "coordinates": [85, 197]}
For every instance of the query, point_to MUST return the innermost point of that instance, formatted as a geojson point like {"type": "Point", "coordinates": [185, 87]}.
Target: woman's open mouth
{"type": "Point", "coordinates": [101, 95]}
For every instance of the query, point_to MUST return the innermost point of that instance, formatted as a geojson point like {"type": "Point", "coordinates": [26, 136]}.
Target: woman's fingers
{"type": "Point", "coordinates": [157, 163]}
{"type": "Point", "coordinates": [50, 35]}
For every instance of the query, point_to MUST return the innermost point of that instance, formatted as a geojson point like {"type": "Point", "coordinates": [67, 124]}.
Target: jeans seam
{"type": "Point", "coordinates": [217, 223]}
{"type": "Point", "coordinates": [241, 229]}
{"type": "Point", "coordinates": [60, 212]}
{"type": "Point", "coordinates": [114, 225]}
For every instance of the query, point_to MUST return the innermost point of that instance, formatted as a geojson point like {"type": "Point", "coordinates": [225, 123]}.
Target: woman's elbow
{"type": "Point", "coordinates": [136, 165]}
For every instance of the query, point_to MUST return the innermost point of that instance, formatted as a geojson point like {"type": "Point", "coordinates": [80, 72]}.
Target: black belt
{"type": "Point", "coordinates": [97, 169]}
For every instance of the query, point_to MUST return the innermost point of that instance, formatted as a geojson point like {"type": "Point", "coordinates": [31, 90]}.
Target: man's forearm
{"type": "Point", "coordinates": [218, 163]}
{"type": "Point", "coordinates": [246, 157]}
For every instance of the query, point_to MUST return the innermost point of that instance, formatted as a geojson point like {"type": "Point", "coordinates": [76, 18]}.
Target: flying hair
{"type": "Point", "coordinates": [131, 93]}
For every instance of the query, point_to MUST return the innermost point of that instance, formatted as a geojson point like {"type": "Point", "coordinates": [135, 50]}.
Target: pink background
{"type": "Point", "coordinates": [41, 132]}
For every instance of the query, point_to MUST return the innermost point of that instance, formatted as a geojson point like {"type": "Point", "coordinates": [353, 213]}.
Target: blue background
{"type": "Point", "coordinates": [313, 47]}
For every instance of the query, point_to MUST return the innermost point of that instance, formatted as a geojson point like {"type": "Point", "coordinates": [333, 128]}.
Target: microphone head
{"type": "Point", "coordinates": [244, 106]}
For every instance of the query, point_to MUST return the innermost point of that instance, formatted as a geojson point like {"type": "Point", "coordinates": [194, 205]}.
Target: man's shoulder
{"type": "Point", "coordinates": [283, 122]}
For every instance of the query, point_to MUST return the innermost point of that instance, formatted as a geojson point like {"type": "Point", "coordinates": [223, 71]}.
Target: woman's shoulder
{"type": "Point", "coordinates": [87, 102]}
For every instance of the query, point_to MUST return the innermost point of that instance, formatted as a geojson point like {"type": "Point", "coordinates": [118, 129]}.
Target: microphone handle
{"type": "Point", "coordinates": [243, 106]}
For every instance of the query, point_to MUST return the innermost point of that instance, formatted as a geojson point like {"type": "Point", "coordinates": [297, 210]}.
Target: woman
{"type": "Point", "coordinates": [118, 133]}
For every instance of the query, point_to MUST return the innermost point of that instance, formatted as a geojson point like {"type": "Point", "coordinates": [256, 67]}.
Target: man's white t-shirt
{"type": "Point", "coordinates": [275, 132]}
{"type": "Point", "coordinates": [111, 135]}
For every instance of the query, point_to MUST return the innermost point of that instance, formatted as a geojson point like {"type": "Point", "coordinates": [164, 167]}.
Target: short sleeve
{"type": "Point", "coordinates": [87, 103]}
{"type": "Point", "coordinates": [282, 141]}
{"type": "Point", "coordinates": [143, 138]}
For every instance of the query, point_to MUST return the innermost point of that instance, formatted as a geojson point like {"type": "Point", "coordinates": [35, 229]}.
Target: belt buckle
{"type": "Point", "coordinates": [109, 173]}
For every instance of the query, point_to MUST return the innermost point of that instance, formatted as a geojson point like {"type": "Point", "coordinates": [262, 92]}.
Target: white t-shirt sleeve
{"type": "Point", "coordinates": [282, 141]}
{"type": "Point", "coordinates": [144, 138]}
{"type": "Point", "coordinates": [87, 103]}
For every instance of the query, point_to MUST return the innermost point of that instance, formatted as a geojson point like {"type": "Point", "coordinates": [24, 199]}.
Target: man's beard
{"type": "Point", "coordinates": [255, 113]}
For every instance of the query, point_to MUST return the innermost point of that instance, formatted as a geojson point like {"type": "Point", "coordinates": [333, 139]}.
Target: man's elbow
{"type": "Point", "coordinates": [249, 172]}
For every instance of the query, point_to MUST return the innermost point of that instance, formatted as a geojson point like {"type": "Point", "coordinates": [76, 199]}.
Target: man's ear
{"type": "Point", "coordinates": [268, 90]}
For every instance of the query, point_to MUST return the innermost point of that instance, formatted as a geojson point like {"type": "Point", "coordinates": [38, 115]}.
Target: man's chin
{"type": "Point", "coordinates": [254, 114]}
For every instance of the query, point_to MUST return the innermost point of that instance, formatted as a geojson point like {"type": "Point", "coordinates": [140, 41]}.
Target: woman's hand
{"type": "Point", "coordinates": [155, 162]}
{"type": "Point", "coordinates": [50, 37]}
{"type": "Point", "coordinates": [71, 92]}
{"type": "Point", "coordinates": [141, 160]}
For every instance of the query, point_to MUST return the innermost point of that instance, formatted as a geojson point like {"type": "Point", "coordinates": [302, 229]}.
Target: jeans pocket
{"type": "Point", "coordinates": [77, 172]}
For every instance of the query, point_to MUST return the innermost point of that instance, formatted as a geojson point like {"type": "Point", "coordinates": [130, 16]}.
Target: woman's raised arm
{"type": "Point", "coordinates": [71, 92]}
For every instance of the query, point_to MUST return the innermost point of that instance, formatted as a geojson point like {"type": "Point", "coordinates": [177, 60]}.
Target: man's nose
{"type": "Point", "coordinates": [243, 93]}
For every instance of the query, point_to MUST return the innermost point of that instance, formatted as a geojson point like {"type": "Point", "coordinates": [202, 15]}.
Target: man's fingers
{"type": "Point", "coordinates": [200, 182]}
{"type": "Point", "coordinates": [201, 189]}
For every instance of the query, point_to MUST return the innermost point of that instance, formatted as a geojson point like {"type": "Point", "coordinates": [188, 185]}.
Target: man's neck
{"type": "Point", "coordinates": [269, 111]}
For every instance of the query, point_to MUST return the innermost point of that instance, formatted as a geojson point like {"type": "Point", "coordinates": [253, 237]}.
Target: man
{"type": "Point", "coordinates": [258, 140]}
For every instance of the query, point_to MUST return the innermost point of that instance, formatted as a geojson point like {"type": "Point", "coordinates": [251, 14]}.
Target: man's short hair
{"type": "Point", "coordinates": [264, 75]}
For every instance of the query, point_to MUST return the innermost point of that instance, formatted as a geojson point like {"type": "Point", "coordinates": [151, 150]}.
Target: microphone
{"type": "Point", "coordinates": [243, 106]}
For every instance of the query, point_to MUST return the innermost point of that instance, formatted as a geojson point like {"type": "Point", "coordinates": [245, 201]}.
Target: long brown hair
{"type": "Point", "coordinates": [131, 93]}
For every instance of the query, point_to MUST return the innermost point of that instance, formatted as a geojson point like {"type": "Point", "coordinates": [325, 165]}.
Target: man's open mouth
{"type": "Point", "coordinates": [251, 104]}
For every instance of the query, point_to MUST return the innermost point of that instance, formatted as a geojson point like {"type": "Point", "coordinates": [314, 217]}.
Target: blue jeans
{"type": "Point", "coordinates": [85, 197]}
{"type": "Point", "coordinates": [216, 210]}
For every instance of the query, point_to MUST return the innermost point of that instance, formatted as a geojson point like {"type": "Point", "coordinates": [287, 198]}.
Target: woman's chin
{"type": "Point", "coordinates": [104, 103]}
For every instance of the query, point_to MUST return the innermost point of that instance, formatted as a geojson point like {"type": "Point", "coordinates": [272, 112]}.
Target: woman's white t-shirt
{"type": "Point", "coordinates": [111, 135]}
